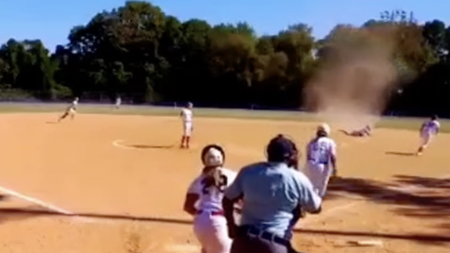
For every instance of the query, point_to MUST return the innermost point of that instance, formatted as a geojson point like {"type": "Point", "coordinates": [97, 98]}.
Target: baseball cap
{"type": "Point", "coordinates": [280, 148]}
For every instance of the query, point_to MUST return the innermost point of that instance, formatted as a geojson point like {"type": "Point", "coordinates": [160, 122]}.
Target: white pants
{"type": "Point", "coordinates": [319, 175]}
{"type": "Point", "coordinates": [212, 233]}
{"type": "Point", "coordinates": [425, 139]}
{"type": "Point", "coordinates": [71, 112]}
{"type": "Point", "coordinates": [187, 129]}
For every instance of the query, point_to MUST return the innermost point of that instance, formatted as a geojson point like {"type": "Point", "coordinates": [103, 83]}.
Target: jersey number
{"type": "Point", "coordinates": [210, 183]}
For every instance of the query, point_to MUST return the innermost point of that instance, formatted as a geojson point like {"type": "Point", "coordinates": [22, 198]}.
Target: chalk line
{"type": "Point", "coordinates": [45, 205]}
{"type": "Point", "coordinates": [117, 144]}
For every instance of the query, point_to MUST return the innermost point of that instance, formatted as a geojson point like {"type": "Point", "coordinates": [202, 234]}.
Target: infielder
{"type": "Point", "coordinates": [428, 131]}
{"type": "Point", "coordinates": [186, 116]}
{"type": "Point", "coordinates": [365, 132]}
{"type": "Point", "coordinates": [70, 111]}
{"type": "Point", "coordinates": [204, 201]}
{"type": "Point", "coordinates": [321, 159]}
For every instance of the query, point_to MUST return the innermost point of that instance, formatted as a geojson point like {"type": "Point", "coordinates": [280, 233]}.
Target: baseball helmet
{"type": "Point", "coordinates": [213, 155]}
{"type": "Point", "coordinates": [189, 104]}
{"type": "Point", "coordinates": [282, 149]}
{"type": "Point", "coordinates": [324, 129]}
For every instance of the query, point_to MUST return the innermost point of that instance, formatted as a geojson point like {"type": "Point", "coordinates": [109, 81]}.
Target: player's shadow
{"type": "Point", "coordinates": [17, 213]}
{"type": "Point", "coordinates": [400, 153]}
{"type": "Point", "coordinates": [412, 196]}
{"type": "Point", "coordinates": [51, 122]}
{"type": "Point", "coordinates": [144, 146]}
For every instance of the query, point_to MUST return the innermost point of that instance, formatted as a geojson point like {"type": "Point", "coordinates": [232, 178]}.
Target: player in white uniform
{"type": "Point", "coordinates": [70, 111]}
{"type": "Point", "coordinates": [186, 116]}
{"type": "Point", "coordinates": [118, 102]}
{"type": "Point", "coordinates": [204, 201]}
{"type": "Point", "coordinates": [428, 131]}
{"type": "Point", "coordinates": [321, 159]}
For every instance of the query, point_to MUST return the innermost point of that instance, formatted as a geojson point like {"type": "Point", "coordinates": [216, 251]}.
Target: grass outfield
{"type": "Point", "coordinates": [386, 122]}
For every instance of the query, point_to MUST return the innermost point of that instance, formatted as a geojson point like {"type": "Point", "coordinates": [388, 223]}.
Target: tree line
{"type": "Point", "coordinates": [144, 55]}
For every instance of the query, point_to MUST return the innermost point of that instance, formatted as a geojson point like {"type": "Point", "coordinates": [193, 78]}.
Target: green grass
{"type": "Point", "coordinates": [386, 122]}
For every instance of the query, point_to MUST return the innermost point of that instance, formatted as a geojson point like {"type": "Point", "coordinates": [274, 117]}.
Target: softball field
{"type": "Point", "coordinates": [115, 182]}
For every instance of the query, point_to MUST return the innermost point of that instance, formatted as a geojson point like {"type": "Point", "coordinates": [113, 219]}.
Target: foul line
{"type": "Point", "coordinates": [36, 201]}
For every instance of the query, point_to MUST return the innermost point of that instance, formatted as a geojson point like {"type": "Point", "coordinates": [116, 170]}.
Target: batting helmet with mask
{"type": "Point", "coordinates": [283, 149]}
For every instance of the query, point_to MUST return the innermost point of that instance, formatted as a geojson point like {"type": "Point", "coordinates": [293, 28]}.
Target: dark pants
{"type": "Point", "coordinates": [247, 242]}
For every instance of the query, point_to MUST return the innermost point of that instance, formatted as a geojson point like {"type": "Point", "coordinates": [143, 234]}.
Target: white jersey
{"type": "Point", "coordinates": [320, 150]}
{"type": "Point", "coordinates": [210, 198]}
{"type": "Point", "coordinates": [186, 115]}
{"type": "Point", "coordinates": [73, 105]}
{"type": "Point", "coordinates": [430, 127]}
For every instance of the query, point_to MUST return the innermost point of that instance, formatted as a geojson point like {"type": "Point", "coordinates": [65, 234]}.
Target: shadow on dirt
{"type": "Point", "coordinates": [414, 196]}
{"type": "Point", "coordinates": [18, 213]}
{"type": "Point", "coordinates": [400, 153]}
{"type": "Point", "coordinates": [142, 146]}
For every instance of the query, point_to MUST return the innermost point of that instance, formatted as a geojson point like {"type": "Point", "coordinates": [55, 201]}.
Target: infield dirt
{"type": "Point", "coordinates": [130, 166]}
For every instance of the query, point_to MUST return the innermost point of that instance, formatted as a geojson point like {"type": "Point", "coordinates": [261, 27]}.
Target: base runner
{"type": "Point", "coordinates": [204, 201]}
{"type": "Point", "coordinates": [186, 116]}
{"type": "Point", "coordinates": [321, 159]}
{"type": "Point", "coordinates": [70, 111]}
{"type": "Point", "coordinates": [428, 131]}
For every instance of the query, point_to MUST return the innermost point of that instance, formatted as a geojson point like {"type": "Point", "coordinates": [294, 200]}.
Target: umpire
{"type": "Point", "coordinates": [274, 195]}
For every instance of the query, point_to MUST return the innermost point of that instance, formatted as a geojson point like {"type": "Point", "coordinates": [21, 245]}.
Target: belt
{"type": "Point", "coordinates": [212, 213]}
{"type": "Point", "coordinates": [254, 232]}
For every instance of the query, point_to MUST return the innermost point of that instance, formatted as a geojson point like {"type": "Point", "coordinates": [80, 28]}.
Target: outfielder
{"type": "Point", "coordinates": [186, 116]}
{"type": "Point", "coordinates": [321, 159]}
{"type": "Point", "coordinates": [428, 131]}
{"type": "Point", "coordinates": [204, 201]}
{"type": "Point", "coordinates": [118, 103]}
{"type": "Point", "coordinates": [70, 111]}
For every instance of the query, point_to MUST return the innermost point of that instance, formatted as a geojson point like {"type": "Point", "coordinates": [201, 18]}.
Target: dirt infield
{"type": "Point", "coordinates": [126, 178]}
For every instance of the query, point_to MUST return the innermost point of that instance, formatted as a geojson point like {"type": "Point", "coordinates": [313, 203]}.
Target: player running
{"type": "Point", "coordinates": [428, 131]}
{"type": "Point", "coordinates": [321, 159]}
{"type": "Point", "coordinates": [204, 201]}
{"type": "Point", "coordinates": [70, 111]}
{"type": "Point", "coordinates": [186, 116]}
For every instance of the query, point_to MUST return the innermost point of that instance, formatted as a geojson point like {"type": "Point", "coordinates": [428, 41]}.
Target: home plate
{"type": "Point", "coordinates": [183, 248]}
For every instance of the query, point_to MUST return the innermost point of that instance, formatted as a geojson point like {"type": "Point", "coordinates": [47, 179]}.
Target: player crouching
{"type": "Point", "coordinates": [70, 111]}
{"type": "Point", "coordinates": [428, 131]}
{"type": "Point", "coordinates": [365, 132]}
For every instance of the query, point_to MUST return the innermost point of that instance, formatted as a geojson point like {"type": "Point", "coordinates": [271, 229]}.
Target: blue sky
{"type": "Point", "coordinates": [51, 20]}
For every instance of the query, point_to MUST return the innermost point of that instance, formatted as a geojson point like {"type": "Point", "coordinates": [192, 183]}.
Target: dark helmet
{"type": "Point", "coordinates": [282, 149]}
{"type": "Point", "coordinates": [434, 117]}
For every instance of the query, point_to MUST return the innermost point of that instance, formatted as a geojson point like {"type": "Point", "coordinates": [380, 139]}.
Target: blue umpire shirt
{"type": "Point", "coordinates": [271, 191]}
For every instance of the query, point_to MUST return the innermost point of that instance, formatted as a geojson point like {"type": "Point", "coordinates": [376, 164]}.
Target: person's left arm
{"type": "Point", "coordinates": [333, 158]}
{"type": "Point", "coordinates": [192, 196]}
